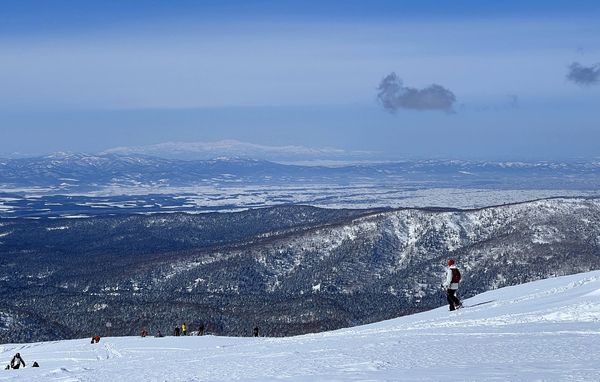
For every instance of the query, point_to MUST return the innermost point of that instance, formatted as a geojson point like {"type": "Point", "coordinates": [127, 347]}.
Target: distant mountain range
{"type": "Point", "coordinates": [289, 269]}
{"type": "Point", "coordinates": [81, 172]}
{"type": "Point", "coordinates": [235, 148]}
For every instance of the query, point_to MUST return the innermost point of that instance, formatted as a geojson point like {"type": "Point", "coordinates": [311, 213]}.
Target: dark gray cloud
{"type": "Point", "coordinates": [393, 95]}
{"type": "Point", "coordinates": [584, 75]}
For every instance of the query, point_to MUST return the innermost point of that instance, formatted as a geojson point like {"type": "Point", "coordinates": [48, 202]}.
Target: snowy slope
{"type": "Point", "coordinates": [545, 330]}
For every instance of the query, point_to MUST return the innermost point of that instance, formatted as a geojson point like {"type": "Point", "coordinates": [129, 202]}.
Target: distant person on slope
{"type": "Point", "coordinates": [184, 329]}
{"type": "Point", "coordinates": [177, 331]}
{"type": "Point", "coordinates": [201, 330]}
{"type": "Point", "coordinates": [17, 361]}
{"type": "Point", "coordinates": [451, 285]}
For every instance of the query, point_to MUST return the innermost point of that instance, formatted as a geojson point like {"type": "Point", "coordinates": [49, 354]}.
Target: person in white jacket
{"type": "Point", "coordinates": [451, 285]}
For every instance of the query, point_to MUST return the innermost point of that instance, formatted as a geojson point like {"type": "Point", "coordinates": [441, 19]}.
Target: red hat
{"type": "Point", "coordinates": [451, 261]}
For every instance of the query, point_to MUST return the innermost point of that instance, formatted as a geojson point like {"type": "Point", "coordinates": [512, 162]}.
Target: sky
{"type": "Point", "coordinates": [398, 79]}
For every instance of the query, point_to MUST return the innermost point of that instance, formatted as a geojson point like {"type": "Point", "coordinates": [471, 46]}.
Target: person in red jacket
{"type": "Point", "coordinates": [451, 285]}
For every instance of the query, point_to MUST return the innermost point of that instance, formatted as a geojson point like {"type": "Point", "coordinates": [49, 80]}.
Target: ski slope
{"type": "Point", "coordinates": [547, 330]}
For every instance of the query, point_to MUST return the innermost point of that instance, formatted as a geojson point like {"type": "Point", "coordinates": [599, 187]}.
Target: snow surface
{"type": "Point", "coordinates": [216, 198]}
{"type": "Point", "coordinates": [548, 330]}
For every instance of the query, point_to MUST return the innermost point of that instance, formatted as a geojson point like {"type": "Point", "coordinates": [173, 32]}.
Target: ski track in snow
{"type": "Point", "coordinates": [547, 330]}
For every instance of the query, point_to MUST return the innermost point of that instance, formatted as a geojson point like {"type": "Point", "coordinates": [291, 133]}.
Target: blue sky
{"type": "Point", "coordinates": [88, 76]}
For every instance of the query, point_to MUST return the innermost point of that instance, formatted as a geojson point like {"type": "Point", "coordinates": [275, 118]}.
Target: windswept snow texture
{"type": "Point", "coordinates": [547, 330]}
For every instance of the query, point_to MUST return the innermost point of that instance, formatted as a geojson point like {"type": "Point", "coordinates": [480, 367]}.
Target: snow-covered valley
{"type": "Point", "coordinates": [85, 185]}
{"type": "Point", "coordinates": [547, 330]}
{"type": "Point", "coordinates": [291, 270]}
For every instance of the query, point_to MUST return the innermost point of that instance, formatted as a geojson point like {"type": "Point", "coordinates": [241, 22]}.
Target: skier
{"type": "Point", "coordinates": [144, 332]}
{"type": "Point", "coordinates": [95, 339]}
{"type": "Point", "coordinates": [255, 331]}
{"type": "Point", "coordinates": [201, 330]}
{"type": "Point", "coordinates": [177, 331]}
{"type": "Point", "coordinates": [184, 329]}
{"type": "Point", "coordinates": [17, 361]}
{"type": "Point", "coordinates": [451, 285]}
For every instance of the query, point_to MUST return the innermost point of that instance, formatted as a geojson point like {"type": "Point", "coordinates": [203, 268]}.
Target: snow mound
{"type": "Point", "coordinates": [545, 330]}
